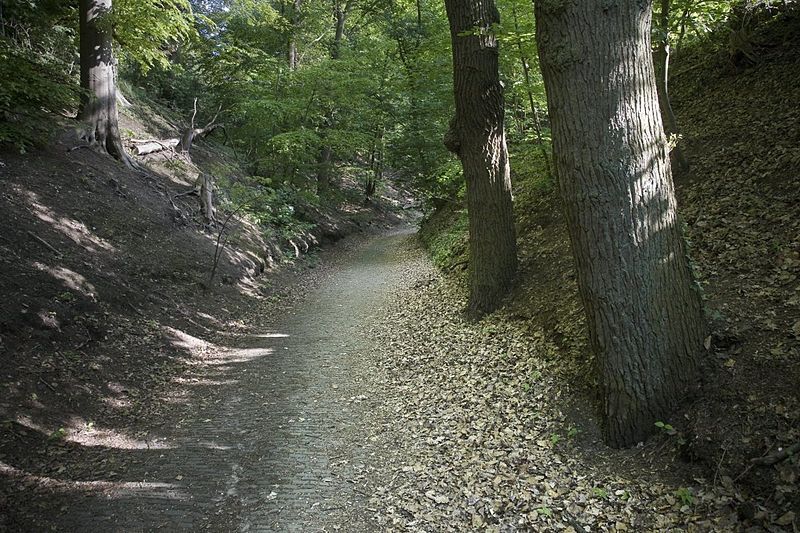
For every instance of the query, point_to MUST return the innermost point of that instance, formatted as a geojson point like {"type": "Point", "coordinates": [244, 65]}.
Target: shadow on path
{"type": "Point", "coordinates": [262, 436]}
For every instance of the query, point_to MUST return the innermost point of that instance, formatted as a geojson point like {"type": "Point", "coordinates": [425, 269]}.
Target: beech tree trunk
{"type": "Point", "coordinates": [98, 79]}
{"type": "Point", "coordinates": [294, 19]}
{"type": "Point", "coordinates": [477, 136]}
{"type": "Point", "coordinates": [644, 315]}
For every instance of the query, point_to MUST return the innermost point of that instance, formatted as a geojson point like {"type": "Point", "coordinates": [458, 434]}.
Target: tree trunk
{"type": "Point", "coordinates": [207, 199]}
{"type": "Point", "coordinates": [477, 136]}
{"type": "Point", "coordinates": [375, 164]}
{"type": "Point", "coordinates": [325, 159]}
{"type": "Point", "coordinates": [644, 315]}
{"type": "Point", "coordinates": [98, 79]}
{"type": "Point", "coordinates": [324, 164]}
{"type": "Point", "coordinates": [340, 13]}
{"type": "Point", "coordinates": [294, 19]}
{"type": "Point", "coordinates": [661, 64]}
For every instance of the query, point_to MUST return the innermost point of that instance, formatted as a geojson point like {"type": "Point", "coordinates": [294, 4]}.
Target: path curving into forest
{"type": "Point", "coordinates": [265, 434]}
{"type": "Point", "coordinates": [368, 403]}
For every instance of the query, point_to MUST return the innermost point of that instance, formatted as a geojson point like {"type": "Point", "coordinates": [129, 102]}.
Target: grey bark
{"type": "Point", "coordinates": [643, 313]}
{"type": "Point", "coordinates": [340, 13]}
{"type": "Point", "coordinates": [477, 136]}
{"type": "Point", "coordinates": [294, 20]}
{"type": "Point", "coordinates": [98, 80]}
{"type": "Point", "coordinates": [207, 199]}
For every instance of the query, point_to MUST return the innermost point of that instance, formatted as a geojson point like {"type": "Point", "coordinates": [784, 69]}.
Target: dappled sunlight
{"type": "Point", "coordinates": [239, 355]}
{"type": "Point", "coordinates": [70, 278]}
{"type": "Point", "coordinates": [268, 335]}
{"type": "Point", "coordinates": [74, 229]}
{"type": "Point", "coordinates": [183, 340]}
{"type": "Point", "coordinates": [111, 489]}
{"type": "Point", "coordinates": [249, 287]}
{"type": "Point", "coordinates": [652, 200]}
{"type": "Point", "coordinates": [85, 433]}
{"type": "Point", "coordinates": [117, 403]}
{"type": "Point", "coordinates": [197, 382]}
{"type": "Point", "coordinates": [214, 320]}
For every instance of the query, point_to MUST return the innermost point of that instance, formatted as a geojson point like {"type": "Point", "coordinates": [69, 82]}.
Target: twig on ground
{"type": "Point", "coordinates": [46, 383]}
{"type": "Point", "coordinates": [79, 147]}
{"type": "Point", "coordinates": [458, 264]}
{"type": "Point", "coordinates": [778, 456]}
{"type": "Point", "coordinates": [44, 243]}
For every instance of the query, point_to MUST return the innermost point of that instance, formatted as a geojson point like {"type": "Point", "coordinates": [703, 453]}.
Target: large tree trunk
{"type": "Point", "coordinates": [477, 136]}
{"type": "Point", "coordinates": [644, 315]}
{"type": "Point", "coordinates": [661, 64]}
{"type": "Point", "coordinates": [98, 79]}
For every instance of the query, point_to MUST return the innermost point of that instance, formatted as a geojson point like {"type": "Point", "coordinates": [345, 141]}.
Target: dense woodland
{"type": "Point", "coordinates": [557, 151]}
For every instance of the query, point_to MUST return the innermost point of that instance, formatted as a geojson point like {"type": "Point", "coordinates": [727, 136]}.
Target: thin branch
{"type": "Point", "coordinates": [778, 456]}
{"type": "Point", "coordinates": [44, 243]}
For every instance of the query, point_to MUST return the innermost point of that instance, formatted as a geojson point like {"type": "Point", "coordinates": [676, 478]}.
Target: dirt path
{"type": "Point", "coordinates": [264, 436]}
{"type": "Point", "coordinates": [369, 404]}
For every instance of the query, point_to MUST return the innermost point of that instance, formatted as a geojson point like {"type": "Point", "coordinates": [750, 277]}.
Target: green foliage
{"type": "Point", "coordinates": [446, 238]}
{"type": "Point", "coordinates": [58, 435]}
{"type": "Point", "coordinates": [147, 29]}
{"type": "Point", "coordinates": [35, 84]}
{"type": "Point", "coordinates": [666, 428]}
{"type": "Point", "coordinates": [685, 496]}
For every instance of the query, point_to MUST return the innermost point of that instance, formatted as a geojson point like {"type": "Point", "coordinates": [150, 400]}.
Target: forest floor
{"type": "Point", "coordinates": [344, 391]}
{"type": "Point", "coordinates": [362, 401]}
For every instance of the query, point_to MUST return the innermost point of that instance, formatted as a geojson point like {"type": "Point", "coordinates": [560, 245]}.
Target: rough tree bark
{"type": "Point", "coordinates": [98, 79]}
{"type": "Point", "coordinates": [644, 315]}
{"type": "Point", "coordinates": [477, 136]}
{"type": "Point", "coordinates": [661, 63]}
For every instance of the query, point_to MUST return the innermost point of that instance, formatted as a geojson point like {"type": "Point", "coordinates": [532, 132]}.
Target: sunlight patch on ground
{"type": "Point", "coordinates": [70, 278]}
{"type": "Point", "coordinates": [240, 355]}
{"type": "Point", "coordinates": [214, 320]}
{"type": "Point", "coordinates": [79, 431]}
{"type": "Point", "coordinates": [109, 438]}
{"type": "Point", "coordinates": [117, 403]}
{"type": "Point", "coordinates": [190, 343]}
{"type": "Point", "coordinates": [195, 382]}
{"type": "Point", "coordinates": [74, 229]}
{"type": "Point", "coordinates": [114, 489]}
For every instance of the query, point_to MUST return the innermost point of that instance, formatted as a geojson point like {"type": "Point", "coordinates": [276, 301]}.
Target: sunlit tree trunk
{"type": "Point", "coordinates": [98, 79]}
{"type": "Point", "coordinates": [644, 315]}
{"type": "Point", "coordinates": [294, 19]}
{"type": "Point", "coordinates": [477, 136]}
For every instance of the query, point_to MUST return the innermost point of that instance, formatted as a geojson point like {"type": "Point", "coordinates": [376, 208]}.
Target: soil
{"type": "Point", "coordinates": [102, 267]}
{"type": "Point", "coordinates": [344, 391]}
